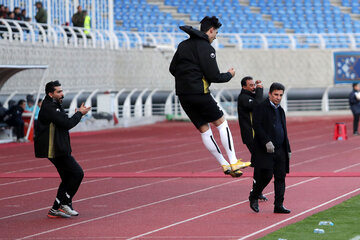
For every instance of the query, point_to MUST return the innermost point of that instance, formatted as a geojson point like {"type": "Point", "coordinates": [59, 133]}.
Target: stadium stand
{"type": "Point", "coordinates": [252, 24]}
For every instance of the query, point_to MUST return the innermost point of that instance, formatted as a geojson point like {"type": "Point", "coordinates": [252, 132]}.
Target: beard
{"type": "Point", "coordinates": [59, 100]}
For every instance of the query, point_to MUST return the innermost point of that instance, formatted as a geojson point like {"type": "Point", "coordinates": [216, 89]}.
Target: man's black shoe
{"type": "Point", "coordinates": [281, 209]}
{"type": "Point", "coordinates": [254, 204]}
{"type": "Point", "coordinates": [262, 198]}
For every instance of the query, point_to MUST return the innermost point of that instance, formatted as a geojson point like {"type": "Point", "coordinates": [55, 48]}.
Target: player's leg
{"type": "Point", "coordinates": [72, 177]}
{"type": "Point", "coordinates": [55, 211]}
{"type": "Point", "coordinates": [228, 144]}
{"type": "Point", "coordinates": [196, 107]}
{"type": "Point", "coordinates": [211, 145]}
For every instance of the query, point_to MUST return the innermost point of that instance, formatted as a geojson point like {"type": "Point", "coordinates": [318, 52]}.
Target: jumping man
{"type": "Point", "coordinates": [194, 67]}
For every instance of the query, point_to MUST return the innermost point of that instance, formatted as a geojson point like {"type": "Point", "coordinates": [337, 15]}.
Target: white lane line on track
{"type": "Point", "coordinates": [139, 146]}
{"type": "Point", "coordinates": [299, 214]}
{"type": "Point", "coordinates": [342, 169]}
{"type": "Point", "coordinates": [50, 189]}
{"type": "Point", "coordinates": [134, 208]}
{"type": "Point", "coordinates": [292, 165]}
{"type": "Point", "coordinates": [211, 212]}
{"type": "Point", "coordinates": [114, 156]}
{"type": "Point", "coordinates": [325, 156]}
{"type": "Point", "coordinates": [88, 198]}
{"type": "Point", "coordinates": [19, 181]}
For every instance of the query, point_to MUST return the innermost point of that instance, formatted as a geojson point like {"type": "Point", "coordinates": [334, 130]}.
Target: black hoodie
{"type": "Point", "coordinates": [194, 64]}
{"type": "Point", "coordinates": [52, 138]}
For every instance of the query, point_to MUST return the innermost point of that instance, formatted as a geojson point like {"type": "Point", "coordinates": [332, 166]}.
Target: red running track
{"type": "Point", "coordinates": [159, 182]}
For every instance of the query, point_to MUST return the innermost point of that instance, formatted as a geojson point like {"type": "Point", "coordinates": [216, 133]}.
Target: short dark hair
{"type": "Point", "coordinates": [276, 86]}
{"type": "Point", "coordinates": [208, 22]}
{"type": "Point", "coordinates": [354, 84]}
{"type": "Point", "coordinates": [243, 81]}
{"type": "Point", "coordinates": [50, 86]}
{"type": "Point", "coordinates": [21, 101]}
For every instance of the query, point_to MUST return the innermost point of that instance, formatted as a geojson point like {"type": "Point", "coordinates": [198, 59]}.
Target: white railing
{"type": "Point", "coordinates": [65, 36]}
{"type": "Point", "coordinates": [55, 35]}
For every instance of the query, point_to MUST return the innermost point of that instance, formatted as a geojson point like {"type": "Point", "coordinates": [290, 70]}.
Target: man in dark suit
{"type": "Point", "coordinates": [354, 101]}
{"type": "Point", "coordinates": [271, 149]}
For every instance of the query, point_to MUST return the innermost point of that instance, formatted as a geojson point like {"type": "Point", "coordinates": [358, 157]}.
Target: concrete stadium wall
{"type": "Point", "coordinates": [91, 69]}
{"type": "Point", "coordinates": [299, 68]}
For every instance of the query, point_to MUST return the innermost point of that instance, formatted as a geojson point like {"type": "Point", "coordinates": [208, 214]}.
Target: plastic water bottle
{"type": "Point", "coordinates": [282, 239]}
{"type": "Point", "coordinates": [326, 223]}
{"type": "Point", "coordinates": [319, 230]}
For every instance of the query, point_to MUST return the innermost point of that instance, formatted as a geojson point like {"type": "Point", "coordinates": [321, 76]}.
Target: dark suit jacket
{"type": "Point", "coordinates": [264, 127]}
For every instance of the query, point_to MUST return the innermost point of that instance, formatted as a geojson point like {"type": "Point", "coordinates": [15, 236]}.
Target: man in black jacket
{"type": "Point", "coordinates": [271, 152]}
{"type": "Point", "coordinates": [14, 119]}
{"type": "Point", "coordinates": [251, 95]}
{"type": "Point", "coordinates": [194, 67]}
{"type": "Point", "coordinates": [52, 141]}
{"type": "Point", "coordinates": [354, 101]}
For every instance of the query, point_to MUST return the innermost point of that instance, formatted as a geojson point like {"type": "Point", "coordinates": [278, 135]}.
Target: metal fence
{"type": "Point", "coordinates": [66, 36]}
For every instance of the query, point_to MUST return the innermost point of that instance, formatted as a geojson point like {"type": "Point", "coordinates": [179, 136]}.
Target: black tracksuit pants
{"type": "Point", "coordinates": [71, 175]}
{"type": "Point", "coordinates": [264, 176]}
{"type": "Point", "coordinates": [256, 173]}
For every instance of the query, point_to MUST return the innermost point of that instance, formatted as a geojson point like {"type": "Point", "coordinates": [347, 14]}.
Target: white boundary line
{"type": "Point", "coordinates": [297, 215]}
{"type": "Point", "coordinates": [49, 189]}
{"type": "Point", "coordinates": [211, 212]}
{"type": "Point", "coordinates": [133, 208]}
{"type": "Point", "coordinates": [20, 181]}
{"type": "Point", "coordinates": [84, 199]}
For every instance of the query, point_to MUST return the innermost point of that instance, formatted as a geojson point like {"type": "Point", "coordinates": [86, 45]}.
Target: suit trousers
{"type": "Point", "coordinates": [71, 175]}
{"type": "Point", "coordinates": [356, 122]}
{"type": "Point", "coordinates": [263, 177]}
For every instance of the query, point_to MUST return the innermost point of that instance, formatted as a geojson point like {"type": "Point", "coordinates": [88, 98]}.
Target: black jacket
{"type": "Point", "coordinates": [52, 138]}
{"type": "Point", "coordinates": [354, 103]}
{"type": "Point", "coordinates": [13, 116]}
{"type": "Point", "coordinates": [264, 127]}
{"type": "Point", "coordinates": [194, 64]}
{"type": "Point", "coordinates": [245, 107]}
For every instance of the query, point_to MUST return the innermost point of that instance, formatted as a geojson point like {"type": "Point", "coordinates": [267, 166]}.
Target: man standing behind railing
{"type": "Point", "coordinates": [78, 18]}
{"type": "Point", "coordinates": [41, 14]}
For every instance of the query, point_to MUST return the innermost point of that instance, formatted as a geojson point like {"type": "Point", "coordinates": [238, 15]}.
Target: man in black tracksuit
{"type": "Point", "coordinates": [271, 152]}
{"type": "Point", "coordinates": [251, 95]}
{"type": "Point", "coordinates": [194, 67]}
{"type": "Point", "coordinates": [52, 141]}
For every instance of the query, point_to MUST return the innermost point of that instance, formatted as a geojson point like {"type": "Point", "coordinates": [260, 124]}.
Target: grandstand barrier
{"type": "Point", "coordinates": [61, 35]}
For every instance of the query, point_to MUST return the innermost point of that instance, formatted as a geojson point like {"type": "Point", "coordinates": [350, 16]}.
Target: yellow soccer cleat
{"type": "Point", "coordinates": [227, 170]}
{"type": "Point", "coordinates": [239, 165]}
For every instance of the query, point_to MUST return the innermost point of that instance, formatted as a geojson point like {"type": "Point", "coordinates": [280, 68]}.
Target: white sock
{"type": "Point", "coordinates": [227, 141]}
{"type": "Point", "coordinates": [210, 143]}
